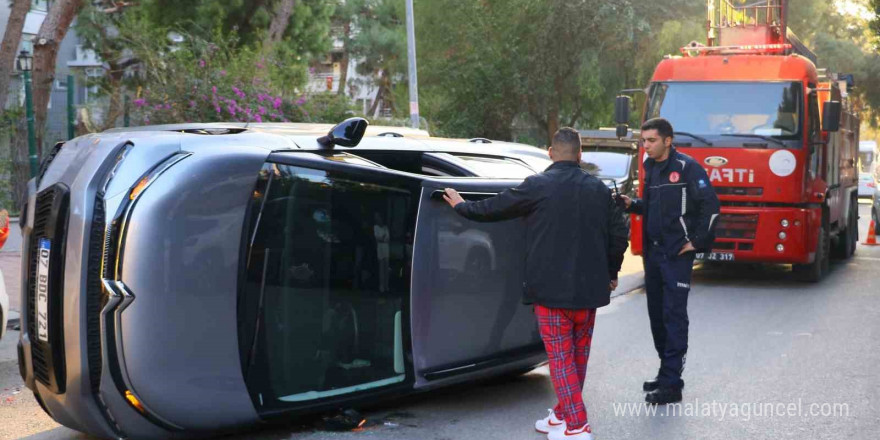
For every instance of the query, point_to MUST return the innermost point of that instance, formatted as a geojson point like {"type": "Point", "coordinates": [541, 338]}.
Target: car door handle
{"type": "Point", "coordinates": [467, 195]}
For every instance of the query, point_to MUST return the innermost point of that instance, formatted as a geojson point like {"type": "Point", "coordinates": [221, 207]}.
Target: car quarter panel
{"type": "Point", "coordinates": [181, 263]}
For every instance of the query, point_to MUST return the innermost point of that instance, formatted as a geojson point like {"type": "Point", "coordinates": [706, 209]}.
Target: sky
{"type": "Point", "coordinates": [857, 8]}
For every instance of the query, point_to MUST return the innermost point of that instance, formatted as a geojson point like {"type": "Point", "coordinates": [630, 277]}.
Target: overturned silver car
{"type": "Point", "coordinates": [180, 281]}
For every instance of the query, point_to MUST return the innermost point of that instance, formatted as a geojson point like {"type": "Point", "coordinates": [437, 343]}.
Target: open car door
{"type": "Point", "coordinates": [467, 313]}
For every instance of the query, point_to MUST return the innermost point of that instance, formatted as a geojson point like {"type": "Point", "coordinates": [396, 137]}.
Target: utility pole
{"type": "Point", "coordinates": [411, 55]}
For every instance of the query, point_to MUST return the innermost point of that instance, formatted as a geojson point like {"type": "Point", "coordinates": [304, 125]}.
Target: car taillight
{"type": "Point", "coordinates": [4, 227]}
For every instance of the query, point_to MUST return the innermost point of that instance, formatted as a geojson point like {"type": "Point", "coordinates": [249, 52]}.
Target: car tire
{"type": "Point", "coordinates": [815, 271]}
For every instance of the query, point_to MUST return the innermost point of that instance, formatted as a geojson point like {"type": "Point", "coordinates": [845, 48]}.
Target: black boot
{"type": "Point", "coordinates": [650, 385]}
{"type": "Point", "coordinates": [663, 395]}
{"type": "Point", "coordinates": [653, 384]}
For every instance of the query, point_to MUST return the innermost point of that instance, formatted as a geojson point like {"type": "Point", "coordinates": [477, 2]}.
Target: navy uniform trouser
{"type": "Point", "coordinates": [667, 283]}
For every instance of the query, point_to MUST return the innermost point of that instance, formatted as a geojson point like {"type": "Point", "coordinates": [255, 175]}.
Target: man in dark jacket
{"type": "Point", "coordinates": [575, 240]}
{"type": "Point", "coordinates": [679, 209]}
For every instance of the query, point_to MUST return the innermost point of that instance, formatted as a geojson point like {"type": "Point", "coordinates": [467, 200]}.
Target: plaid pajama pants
{"type": "Point", "coordinates": [567, 334]}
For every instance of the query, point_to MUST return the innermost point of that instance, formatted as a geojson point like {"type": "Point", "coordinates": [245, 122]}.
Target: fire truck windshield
{"type": "Point", "coordinates": [769, 110]}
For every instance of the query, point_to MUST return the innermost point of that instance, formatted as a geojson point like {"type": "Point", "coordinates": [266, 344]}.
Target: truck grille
{"type": "Point", "coordinates": [739, 226]}
{"type": "Point", "coordinates": [50, 221]}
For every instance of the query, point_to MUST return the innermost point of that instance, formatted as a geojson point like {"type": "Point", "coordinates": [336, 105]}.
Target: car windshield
{"type": "Point", "coordinates": [496, 167]}
{"type": "Point", "coordinates": [730, 108]}
{"type": "Point", "coordinates": [606, 164]}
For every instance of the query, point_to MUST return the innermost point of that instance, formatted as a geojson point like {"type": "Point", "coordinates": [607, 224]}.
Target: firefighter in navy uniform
{"type": "Point", "coordinates": [679, 208]}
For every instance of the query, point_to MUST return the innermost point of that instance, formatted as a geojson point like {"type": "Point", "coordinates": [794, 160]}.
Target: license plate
{"type": "Point", "coordinates": [716, 256]}
{"type": "Point", "coordinates": [42, 312]}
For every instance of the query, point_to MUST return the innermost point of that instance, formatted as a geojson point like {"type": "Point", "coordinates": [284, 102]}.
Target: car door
{"type": "Point", "coordinates": [467, 314]}
{"type": "Point", "coordinates": [324, 306]}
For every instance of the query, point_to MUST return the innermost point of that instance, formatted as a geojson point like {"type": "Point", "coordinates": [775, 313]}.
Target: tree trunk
{"type": "Point", "coordinates": [280, 19]}
{"type": "Point", "coordinates": [52, 32]}
{"type": "Point", "coordinates": [9, 47]}
{"type": "Point", "coordinates": [552, 122]}
{"type": "Point", "coordinates": [343, 65]}
{"type": "Point", "coordinates": [379, 94]}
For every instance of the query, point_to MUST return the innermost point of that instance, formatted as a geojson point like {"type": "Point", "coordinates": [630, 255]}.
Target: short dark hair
{"type": "Point", "coordinates": [567, 141]}
{"type": "Point", "coordinates": [663, 127]}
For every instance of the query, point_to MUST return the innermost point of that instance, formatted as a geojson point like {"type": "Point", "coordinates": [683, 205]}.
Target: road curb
{"type": "Point", "coordinates": [13, 320]}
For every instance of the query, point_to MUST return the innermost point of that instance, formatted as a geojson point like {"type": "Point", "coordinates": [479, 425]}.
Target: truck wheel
{"type": "Point", "coordinates": [846, 240]}
{"type": "Point", "coordinates": [814, 271]}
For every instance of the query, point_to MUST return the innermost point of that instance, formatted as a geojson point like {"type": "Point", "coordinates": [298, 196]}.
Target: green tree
{"type": "Point", "coordinates": [485, 64]}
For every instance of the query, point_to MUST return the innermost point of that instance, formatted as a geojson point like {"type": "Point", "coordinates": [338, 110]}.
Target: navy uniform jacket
{"type": "Point", "coordinates": [688, 204]}
{"type": "Point", "coordinates": [575, 235]}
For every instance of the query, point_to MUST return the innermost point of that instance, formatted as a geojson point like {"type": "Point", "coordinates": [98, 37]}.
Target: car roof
{"type": "Point", "coordinates": [377, 137]}
{"type": "Point", "coordinates": [280, 128]}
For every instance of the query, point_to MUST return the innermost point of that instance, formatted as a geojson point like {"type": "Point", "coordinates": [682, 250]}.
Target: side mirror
{"type": "Point", "coordinates": [621, 110]}
{"type": "Point", "coordinates": [831, 116]}
{"type": "Point", "coordinates": [347, 133]}
{"type": "Point", "coordinates": [621, 115]}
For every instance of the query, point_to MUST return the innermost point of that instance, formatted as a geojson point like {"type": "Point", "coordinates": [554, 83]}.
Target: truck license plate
{"type": "Point", "coordinates": [45, 250]}
{"type": "Point", "coordinates": [715, 256]}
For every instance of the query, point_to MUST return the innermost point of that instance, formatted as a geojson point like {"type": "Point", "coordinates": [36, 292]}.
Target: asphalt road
{"type": "Point", "coordinates": [769, 358]}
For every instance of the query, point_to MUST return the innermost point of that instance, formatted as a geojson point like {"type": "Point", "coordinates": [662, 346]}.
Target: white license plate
{"type": "Point", "coordinates": [716, 256]}
{"type": "Point", "coordinates": [42, 312]}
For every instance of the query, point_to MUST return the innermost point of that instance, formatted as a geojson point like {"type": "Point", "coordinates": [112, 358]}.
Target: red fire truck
{"type": "Point", "coordinates": [777, 136]}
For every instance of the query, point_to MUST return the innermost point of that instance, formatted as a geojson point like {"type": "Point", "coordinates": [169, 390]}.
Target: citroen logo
{"type": "Point", "coordinates": [715, 161]}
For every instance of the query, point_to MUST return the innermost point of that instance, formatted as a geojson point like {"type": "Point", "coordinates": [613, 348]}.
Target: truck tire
{"type": "Point", "coordinates": [815, 271]}
{"type": "Point", "coordinates": [847, 238]}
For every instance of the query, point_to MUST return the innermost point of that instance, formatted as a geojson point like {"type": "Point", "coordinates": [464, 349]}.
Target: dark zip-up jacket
{"type": "Point", "coordinates": [688, 204]}
{"type": "Point", "coordinates": [575, 235]}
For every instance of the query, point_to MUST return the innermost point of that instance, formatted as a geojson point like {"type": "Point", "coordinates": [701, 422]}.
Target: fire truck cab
{"type": "Point", "coordinates": [777, 136]}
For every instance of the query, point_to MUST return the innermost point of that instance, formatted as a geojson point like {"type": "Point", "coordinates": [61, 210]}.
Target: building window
{"type": "Point", "coordinates": [40, 5]}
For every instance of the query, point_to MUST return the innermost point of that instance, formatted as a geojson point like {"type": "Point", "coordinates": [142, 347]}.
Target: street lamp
{"type": "Point", "coordinates": [25, 65]}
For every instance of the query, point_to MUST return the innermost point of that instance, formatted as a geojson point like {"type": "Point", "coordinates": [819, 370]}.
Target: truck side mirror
{"type": "Point", "coordinates": [621, 115]}
{"type": "Point", "coordinates": [831, 116]}
{"type": "Point", "coordinates": [621, 110]}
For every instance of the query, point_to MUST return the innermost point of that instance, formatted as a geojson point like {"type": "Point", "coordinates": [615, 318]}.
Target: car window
{"type": "Point", "coordinates": [606, 164]}
{"type": "Point", "coordinates": [495, 167]}
{"type": "Point", "coordinates": [327, 275]}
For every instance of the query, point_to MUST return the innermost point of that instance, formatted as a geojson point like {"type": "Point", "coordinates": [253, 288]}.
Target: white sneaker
{"type": "Point", "coordinates": [549, 424]}
{"type": "Point", "coordinates": [585, 433]}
